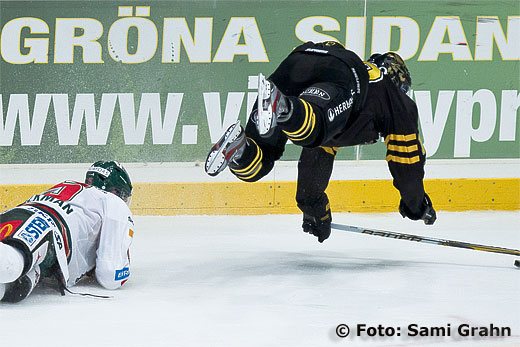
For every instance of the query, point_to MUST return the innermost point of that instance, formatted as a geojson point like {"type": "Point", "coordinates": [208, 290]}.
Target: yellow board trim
{"type": "Point", "coordinates": [241, 198]}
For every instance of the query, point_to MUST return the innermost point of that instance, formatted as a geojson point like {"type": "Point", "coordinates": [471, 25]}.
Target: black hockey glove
{"type": "Point", "coordinates": [319, 227]}
{"type": "Point", "coordinates": [427, 213]}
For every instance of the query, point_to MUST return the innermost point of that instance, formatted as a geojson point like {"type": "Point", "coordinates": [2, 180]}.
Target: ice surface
{"type": "Point", "coordinates": [260, 281]}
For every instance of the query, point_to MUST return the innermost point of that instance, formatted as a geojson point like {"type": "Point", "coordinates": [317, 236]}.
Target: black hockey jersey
{"type": "Point", "coordinates": [381, 109]}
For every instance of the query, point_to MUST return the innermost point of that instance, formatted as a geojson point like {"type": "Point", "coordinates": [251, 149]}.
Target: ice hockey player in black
{"type": "Point", "coordinates": [323, 97]}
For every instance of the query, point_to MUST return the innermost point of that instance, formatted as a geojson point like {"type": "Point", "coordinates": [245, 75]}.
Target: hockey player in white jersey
{"type": "Point", "coordinates": [70, 230]}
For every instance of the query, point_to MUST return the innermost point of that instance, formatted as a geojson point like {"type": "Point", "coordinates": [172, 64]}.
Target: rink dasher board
{"type": "Point", "coordinates": [278, 197]}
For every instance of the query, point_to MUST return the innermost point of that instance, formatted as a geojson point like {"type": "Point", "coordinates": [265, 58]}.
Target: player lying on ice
{"type": "Point", "coordinates": [323, 97]}
{"type": "Point", "coordinates": [68, 231]}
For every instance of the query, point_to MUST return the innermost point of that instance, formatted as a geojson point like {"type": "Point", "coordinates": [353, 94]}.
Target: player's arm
{"type": "Point", "coordinates": [406, 157]}
{"type": "Point", "coordinates": [112, 256]}
{"type": "Point", "coordinates": [390, 83]}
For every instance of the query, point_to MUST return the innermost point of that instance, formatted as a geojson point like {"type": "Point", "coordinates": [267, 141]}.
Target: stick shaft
{"type": "Point", "coordinates": [425, 239]}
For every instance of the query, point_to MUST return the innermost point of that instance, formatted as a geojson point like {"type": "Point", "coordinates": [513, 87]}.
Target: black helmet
{"type": "Point", "coordinates": [112, 177]}
{"type": "Point", "coordinates": [393, 65]}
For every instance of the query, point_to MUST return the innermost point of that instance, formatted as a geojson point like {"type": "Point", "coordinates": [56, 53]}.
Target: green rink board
{"type": "Point", "coordinates": [158, 81]}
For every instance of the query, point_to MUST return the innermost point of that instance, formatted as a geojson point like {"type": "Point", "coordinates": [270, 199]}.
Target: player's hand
{"type": "Point", "coordinates": [427, 214]}
{"type": "Point", "coordinates": [317, 226]}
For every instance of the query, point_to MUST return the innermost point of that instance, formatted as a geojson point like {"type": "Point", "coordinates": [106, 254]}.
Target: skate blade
{"type": "Point", "coordinates": [216, 160]}
{"type": "Point", "coordinates": [265, 111]}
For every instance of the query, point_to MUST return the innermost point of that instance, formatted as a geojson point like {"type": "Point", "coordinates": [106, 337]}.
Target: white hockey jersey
{"type": "Point", "coordinates": [100, 231]}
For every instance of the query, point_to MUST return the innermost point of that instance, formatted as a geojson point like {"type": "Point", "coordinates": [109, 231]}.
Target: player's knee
{"type": "Point", "coordinates": [109, 278]}
{"type": "Point", "coordinates": [11, 263]}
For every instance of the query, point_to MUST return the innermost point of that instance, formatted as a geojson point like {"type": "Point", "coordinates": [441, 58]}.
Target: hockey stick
{"type": "Point", "coordinates": [430, 240]}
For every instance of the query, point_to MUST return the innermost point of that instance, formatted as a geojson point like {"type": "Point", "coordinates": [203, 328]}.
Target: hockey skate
{"type": "Point", "coordinates": [273, 106]}
{"type": "Point", "coordinates": [230, 146]}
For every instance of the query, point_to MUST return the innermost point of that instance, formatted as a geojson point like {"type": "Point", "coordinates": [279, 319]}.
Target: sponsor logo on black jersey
{"type": "Point", "coordinates": [315, 50]}
{"type": "Point", "coordinates": [358, 84]}
{"type": "Point", "coordinates": [317, 92]}
{"type": "Point", "coordinates": [333, 112]}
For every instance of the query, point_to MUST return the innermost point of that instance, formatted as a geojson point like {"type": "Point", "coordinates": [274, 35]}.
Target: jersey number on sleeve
{"type": "Point", "coordinates": [65, 191]}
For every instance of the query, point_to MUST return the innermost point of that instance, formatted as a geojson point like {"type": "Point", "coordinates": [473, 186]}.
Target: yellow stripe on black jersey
{"type": "Point", "coordinates": [330, 150]}
{"type": "Point", "coordinates": [374, 74]}
{"type": "Point", "coordinates": [406, 149]}
{"type": "Point", "coordinates": [403, 160]}
{"type": "Point", "coordinates": [403, 149]}
{"type": "Point", "coordinates": [253, 168]}
{"type": "Point", "coordinates": [394, 137]}
{"type": "Point", "coordinates": [307, 127]}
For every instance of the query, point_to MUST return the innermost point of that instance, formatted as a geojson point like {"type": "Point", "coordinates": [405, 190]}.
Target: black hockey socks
{"type": "Point", "coordinates": [302, 126]}
{"type": "Point", "coordinates": [249, 164]}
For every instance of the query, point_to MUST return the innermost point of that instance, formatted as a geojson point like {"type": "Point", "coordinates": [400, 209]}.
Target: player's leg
{"type": "Point", "coordinates": [19, 289]}
{"type": "Point", "coordinates": [314, 171]}
{"type": "Point", "coordinates": [314, 117]}
{"type": "Point", "coordinates": [259, 154]}
{"type": "Point", "coordinates": [250, 165]}
{"type": "Point", "coordinates": [22, 249]}
{"type": "Point", "coordinates": [11, 263]}
{"type": "Point", "coordinates": [248, 155]}
{"type": "Point", "coordinates": [273, 107]}
{"type": "Point", "coordinates": [13, 286]}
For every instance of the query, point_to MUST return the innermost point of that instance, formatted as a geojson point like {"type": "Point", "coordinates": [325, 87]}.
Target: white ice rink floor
{"type": "Point", "coordinates": [260, 281]}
